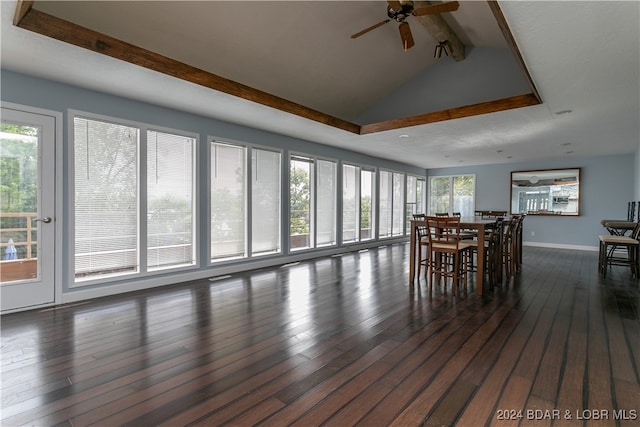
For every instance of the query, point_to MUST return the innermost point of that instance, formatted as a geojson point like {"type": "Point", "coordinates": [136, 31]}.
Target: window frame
{"type": "Point", "coordinates": [249, 254]}
{"type": "Point", "coordinates": [451, 200]}
{"type": "Point", "coordinates": [393, 211]}
{"type": "Point", "coordinates": [313, 202]}
{"type": "Point", "coordinates": [194, 185]}
{"type": "Point", "coordinates": [419, 202]}
{"type": "Point", "coordinates": [373, 227]}
{"type": "Point", "coordinates": [282, 186]}
{"type": "Point", "coordinates": [142, 199]}
{"type": "Point", "coordinates": [246, 202]}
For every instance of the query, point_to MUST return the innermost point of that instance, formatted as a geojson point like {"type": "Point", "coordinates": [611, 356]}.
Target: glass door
{"type": "Point", "coordinates": [27, 207]}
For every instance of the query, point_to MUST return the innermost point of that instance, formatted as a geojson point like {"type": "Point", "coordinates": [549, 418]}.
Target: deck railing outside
{"type": "Point", "coordinates": [21, 228]}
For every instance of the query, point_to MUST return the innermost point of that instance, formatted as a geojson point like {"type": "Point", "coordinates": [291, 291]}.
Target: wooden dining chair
{"type": "Point", "coordinates": [510, 246]}
{"type": "Point", "coordinates": [518, 243]}
{"type": "Point", "coordinates": [620, 250]}
{"type": "Point", "coordinates": [423, 243]}
{"type": "Point", "coordinates": [442, 214]}
{"type": "Point", "coordinates": [448, 253]}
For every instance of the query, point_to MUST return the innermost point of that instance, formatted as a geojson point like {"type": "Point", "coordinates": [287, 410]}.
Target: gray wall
{"type": "Point", "coordinates": [35, 92]}
{"type": "Point", "coordinates": [485, 74]}
{"type": "Point", "coordinates": [637, 175]}
{"type": "Point", "coordinates": [607, 185]}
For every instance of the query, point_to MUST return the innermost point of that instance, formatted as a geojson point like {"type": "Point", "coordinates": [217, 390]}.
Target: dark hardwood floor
{"type": "Point", "coordinates": [336, 341]}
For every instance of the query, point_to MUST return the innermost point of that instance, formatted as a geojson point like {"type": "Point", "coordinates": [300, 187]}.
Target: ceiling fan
{"type": "Point", "coordinates": [401, 10]}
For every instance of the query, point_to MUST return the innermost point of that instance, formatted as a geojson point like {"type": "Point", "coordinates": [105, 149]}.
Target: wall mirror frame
{"type": "Point", "coordinates": [546, 192]}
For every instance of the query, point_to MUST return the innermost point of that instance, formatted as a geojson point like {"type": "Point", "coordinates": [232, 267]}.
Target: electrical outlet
{"type": "Point", "coordinates": [533, 233]}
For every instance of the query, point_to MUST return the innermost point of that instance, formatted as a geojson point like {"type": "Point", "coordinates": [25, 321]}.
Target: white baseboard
{"type": "Point", "coordinates": [561, 246]}
{"type": "Point", "coordinates": [77, 294]}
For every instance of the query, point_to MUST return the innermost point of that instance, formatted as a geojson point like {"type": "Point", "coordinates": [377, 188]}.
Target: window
{"type": "Point", "coordinates": [312, 202]}
{"type": "Point", "coordinates": [231, 222]}
{"type": "Point", "coordinates": [367, 219]}
{"type": "Point", "coordinates": [300, 203]}
{"type": "Point", "coordinates": [415, 199]}
{"type": "Point", "coordinates": [118, 208]}
{"type": "Point", "coordinates": [326, 207]}
{"type": "Point", "coordinates": [391, 204]}
{"type": "Point", "coordinates": [452, 194]}
{"type": "Point", "coordinates": [170, 201]}
{"type": "Point", "coordinates": [385, 215]}
{"type": "Point", "coordinates": [228, 201]}
{"type": "Point", "coordinates": [265, 202]}
{"type": "Point", "coordinates": [398, 204]}
{"type": "Point", "coordinates": [106, 198]}
{"type": "Point", "coordinates": [357, 203]}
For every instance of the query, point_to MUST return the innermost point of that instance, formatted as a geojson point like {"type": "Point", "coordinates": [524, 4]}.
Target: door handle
{"type": "Point", "coordinates": [46, 219]}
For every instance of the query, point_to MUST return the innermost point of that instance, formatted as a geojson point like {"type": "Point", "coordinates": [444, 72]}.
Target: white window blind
{"type": "Point", "coordinates": [170, 190]}
{"type": "Point", "coordinates": [398, 204]}
{"type": "Point", "coordinates": [367, 219]}
{"type": "Point", "coordinates": [386, 204]}
{"type": "Point", "coordinates": [106, 198]}
{"type": "Point", "coordinates": [420, 199]}
{"type": "Point", "coordinates": [415, 199]}
{"type": "Point", "coordinates": [350, 209]}
{"type": "Point", "coordinates": [326, 203]}
{"type": "Point", "coordinates": [265, 202]}
{"type": "Point", "coordinates": [228, 201]}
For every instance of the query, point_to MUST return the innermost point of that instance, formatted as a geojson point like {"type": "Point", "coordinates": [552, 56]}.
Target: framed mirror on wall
{"type": "Point", "coordinates": [546, 192]}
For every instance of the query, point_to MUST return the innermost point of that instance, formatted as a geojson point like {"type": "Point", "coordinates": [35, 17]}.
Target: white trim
{"type": "Point", "coordinates": [80, 294]}
{"type": "Point", "coordinates": [141, 170]}
{"type": "Point", "coordinates": [561, 246]}
{"type": "Point", "coordinates": [58, 121]}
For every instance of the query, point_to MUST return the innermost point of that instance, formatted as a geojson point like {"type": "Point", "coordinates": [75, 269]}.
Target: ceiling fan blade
{"type": "Point", "coordinates": [373, 27]}
{"type": "Point", "coordinates": [395, 5]}
{"type": "Point", "coordinates": [437, 8]}
{"type": "Point", "coordinates": [405, 35]}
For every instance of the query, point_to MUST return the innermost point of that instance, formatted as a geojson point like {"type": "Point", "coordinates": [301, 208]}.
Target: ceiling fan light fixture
{"type": "Point", "coordinates": [443, 46]}
{"type": "Point", "coordinates": [447, 47]}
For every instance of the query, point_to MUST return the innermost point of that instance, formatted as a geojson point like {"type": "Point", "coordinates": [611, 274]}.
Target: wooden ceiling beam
{"type": "Point", "coordinates": [511, 42]}
{"type": "Point", "coordinates": [440, 31]}
{"type": "Point", "coordinates": [503, 104]}
{"type": "Point", "coordinates": [68, 32]}
{"type": "Point", "coordinates": [22, 8]}
{"type": "Point", "coordinates": [31, 19]}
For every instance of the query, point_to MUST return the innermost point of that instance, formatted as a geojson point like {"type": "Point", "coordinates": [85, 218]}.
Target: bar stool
{"type": "Point", "coordinates": [510, 246]}
{"type": "Point", "coordinates": [620, 250]}
{"type": "Point", "coordinates": [447, 253]}
{"type": "Point", "coordinates": [423, 242]}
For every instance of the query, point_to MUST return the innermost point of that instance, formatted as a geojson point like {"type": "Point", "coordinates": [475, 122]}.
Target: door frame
{"type": "Point", "coordinates": [58, 174]}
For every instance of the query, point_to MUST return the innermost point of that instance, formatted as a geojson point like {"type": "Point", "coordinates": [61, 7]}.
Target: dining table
{"type": "Point", "coordinates": [477, 223]}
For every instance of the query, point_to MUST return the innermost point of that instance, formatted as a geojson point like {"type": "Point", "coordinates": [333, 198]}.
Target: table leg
{"type": "Point", "coordinates": [480, 260]}
{"type": "Point", "coordinates": [412, 252]}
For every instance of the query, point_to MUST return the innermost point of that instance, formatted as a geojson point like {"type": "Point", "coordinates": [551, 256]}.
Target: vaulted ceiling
{"type": "Point", "coordinates": [292, 68]}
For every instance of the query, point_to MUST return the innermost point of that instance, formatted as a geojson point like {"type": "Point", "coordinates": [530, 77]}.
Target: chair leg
{"type": "Point", "coordinates": [463, 271]}
{"type": "Point", "coordinates": [600, 258]}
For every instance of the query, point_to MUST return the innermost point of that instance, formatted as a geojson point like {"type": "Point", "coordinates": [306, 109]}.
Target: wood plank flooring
{"type": "Point", "coordinates": [336, 341]}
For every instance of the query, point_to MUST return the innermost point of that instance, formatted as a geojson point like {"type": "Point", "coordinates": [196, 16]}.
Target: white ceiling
{"type": "Point", "coordinates": [582, 56]}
